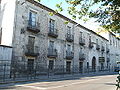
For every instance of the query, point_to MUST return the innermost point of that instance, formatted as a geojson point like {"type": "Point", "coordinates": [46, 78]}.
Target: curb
{"type": "Point", "coordinates": [61, 78]}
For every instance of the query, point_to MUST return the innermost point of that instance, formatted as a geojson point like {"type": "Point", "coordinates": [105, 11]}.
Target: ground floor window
{"type": "Point", "coordinates": [30, 65]}
{"type": "Point", "coordinates": [51, 64]}
{"type": "Point", "coordinates": [68, 66]}
{"type": "Point", "coordinates": [80, 67]}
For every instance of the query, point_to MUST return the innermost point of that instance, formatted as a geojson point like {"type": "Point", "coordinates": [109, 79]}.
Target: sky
{"type": "Point", "coordinates": [91, 24]}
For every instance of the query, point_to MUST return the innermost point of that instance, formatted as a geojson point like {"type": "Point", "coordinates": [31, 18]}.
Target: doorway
{"type": "Point", "coordinates": [93, 64]}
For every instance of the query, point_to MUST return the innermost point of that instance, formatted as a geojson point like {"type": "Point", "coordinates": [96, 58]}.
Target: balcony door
{"type": "Point", "coordinates": [81, 35]}
{"type": "Point", "coordinates": [51, 45]}
{"type": "Point", "coordinates": [68, 47]}
{"type": "Point", "coordinates": [32, 19]}
{"type": "Point", "coordinates": [31, 41]}
{"type": "Point", "coordinates": [69, 30]}
{"type": "Point", "coordinates": [51, 25]}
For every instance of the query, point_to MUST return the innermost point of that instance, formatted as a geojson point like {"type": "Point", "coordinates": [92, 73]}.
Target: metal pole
{"type": "Point", "coordinates": [4, 72]}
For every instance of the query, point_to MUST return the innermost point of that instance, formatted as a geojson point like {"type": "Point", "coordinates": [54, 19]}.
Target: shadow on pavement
{"type": "Point", "coordinates": [78, 77]}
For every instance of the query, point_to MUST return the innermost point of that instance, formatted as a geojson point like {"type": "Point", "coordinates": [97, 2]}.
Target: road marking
{"type": "Point", "coordinates": [41, 88]}
{"type": "Point", "coordinates": [34, 87]}
{"type": "Point", "coordinates": [70, 84]}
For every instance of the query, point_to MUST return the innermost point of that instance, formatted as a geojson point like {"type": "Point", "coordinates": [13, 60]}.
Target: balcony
{"type": "Point", "coordinates": [91, 45]}
{"type": "Point", "coordinates": [69, 37]}
{"type": "Point", "coordinates": [52, 53]}
{"type": "Point", "coordinates": [69, 55]}
{"type": "Point", "coordinates": [97, 47]}
{"type": "Point", "coordinates": [82, 41]}
{"type": "Point", "coordinates": [102, 48]}
{"type": "Point", "coordinates": [53, 32]}
{"type": "Point", "coordinates": [33, 26]}
{"type": "Point", "coordinates": [81, 56]}
{"type": "Point", "coordinates": [107, 50]}
{"type": "Point", "coordinates": [31, 51]}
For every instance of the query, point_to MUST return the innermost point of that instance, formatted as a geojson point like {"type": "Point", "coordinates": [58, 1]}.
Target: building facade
{"type": "Point", "coordinates": [5, 60]}
{"type": "Point", "coordinates": [43, 41]}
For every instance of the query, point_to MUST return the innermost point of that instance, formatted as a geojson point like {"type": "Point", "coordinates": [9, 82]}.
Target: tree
{"type": "Point", "coordinates": [106, 12]}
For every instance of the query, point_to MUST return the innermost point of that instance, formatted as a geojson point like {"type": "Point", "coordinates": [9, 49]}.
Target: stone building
{"type": "Point", "coordinates": [43, 41]}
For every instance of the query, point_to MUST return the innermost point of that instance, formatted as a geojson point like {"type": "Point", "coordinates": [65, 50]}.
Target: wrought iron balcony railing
{"type": "Point", "coordinates": [69, 37]}
{"type": "Point", "coordinates": [53, 32]}
{"type": "Point", "coordinates": [33, 26]}
{"type": "Point", "coordinates": [52, 53]}
{"type": "Point", "coordinates": [31, 51]}
{"type": "Point", "coordinates": [91, 45]}
{"type": "Point", "coordinates": [69, 55]}
{"type": "Point", "coordinates": [107, 50]}
{"type": "Point", "coordinates": [81, 56]}
{"type": "Point", "coordinates": [82, 41]}
{"type": "Point", "coordinates": [97, 47]}
{"type": "Point", "coordinates": [103, 48]}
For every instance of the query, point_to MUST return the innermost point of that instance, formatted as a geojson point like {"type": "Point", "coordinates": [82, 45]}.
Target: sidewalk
{"type": "Point", "coordinates": [56, 77]}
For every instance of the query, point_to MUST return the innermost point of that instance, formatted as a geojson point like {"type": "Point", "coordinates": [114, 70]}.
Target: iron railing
{"type": "Point", "coordinates": [69, 55]}
{"type": "Point", "coordinates": [97, 47]}
{"type": "Point", "coordinates": [81, 41]}
{"type": "Point", "coordinates": [31, 50]}
{"type": "Point", "coordinates": [52, 52]}
{"type": "Point", "coordinates": [20, 70]}
{"type": "Point", "coordinates": [69, 37]}
{"type": "Point", "coordinates": [91, 45]}
{"type": "Point", "coordinates": [33, 26]}
{"type": "Point", "coordinates": [81, 56]}
{"type": "Point", "coordinates": [53, 32]}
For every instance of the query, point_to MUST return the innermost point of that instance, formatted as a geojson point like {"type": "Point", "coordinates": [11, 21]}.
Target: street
{"type": "Point", "coordinates": [104, 82]}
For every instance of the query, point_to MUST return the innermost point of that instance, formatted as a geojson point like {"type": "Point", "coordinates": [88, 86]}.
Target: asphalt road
{"type": "Point", "coordinates": [106, 82]}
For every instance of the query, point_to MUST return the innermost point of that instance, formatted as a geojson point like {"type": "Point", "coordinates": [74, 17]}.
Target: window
{"type": "Point", "coordinates": [96, 41]}
{"type": "Point", "coordinates": [68, 47]}
{"type": "Point", "coordinates": [52, 25]}
{"type": "Point", "coordinates": [68, 30]}
{"type": "Point", "coordinates": [31, 41]}
{"type": "Point", "coordinates": [32, 19]}
{"type": "Point", "coordinates": [89, 38]}
{"type": "Point", "coordinates": [81, 34]}
{"type": "Point", "coordinates": [81, 50]}
{"type": "Point", "coordinates": [51, 44]}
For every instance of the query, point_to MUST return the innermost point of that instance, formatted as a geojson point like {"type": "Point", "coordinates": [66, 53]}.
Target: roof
{"type": "Point", "coordinates": [62, 16]}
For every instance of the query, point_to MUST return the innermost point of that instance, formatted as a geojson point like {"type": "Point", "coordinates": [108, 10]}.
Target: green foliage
{"type": "Point", "coordinates": [51, 13]}
{"type": "Point", "coordinates": [106, 12]}
{"type": "Point", "coordinates": [66, 22]}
